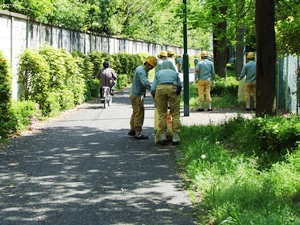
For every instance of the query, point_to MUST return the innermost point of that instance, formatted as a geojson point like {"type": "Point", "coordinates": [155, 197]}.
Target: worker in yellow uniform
{"type": "Point", "coordinates": [140, 84]}
{"type": "Point", "coordinates": [162, 57]}
{"type": "Point", "coordinates": [205, 77]}
{"type": "Point", "coordinates": [249, 70]}
{"type": "Point", "coordinates": [166, 88]}
{"type": "Point", "coordinates": [170, 63]}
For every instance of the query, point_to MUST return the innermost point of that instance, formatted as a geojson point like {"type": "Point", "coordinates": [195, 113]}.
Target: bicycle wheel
{"type": "Point", "coordinates": [105, 96]}
{"type": "Point", "coordinates": [109, 102]}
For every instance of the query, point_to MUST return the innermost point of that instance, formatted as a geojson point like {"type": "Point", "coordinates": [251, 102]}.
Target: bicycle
{"type": "Point", "coordinates": [106, 96]}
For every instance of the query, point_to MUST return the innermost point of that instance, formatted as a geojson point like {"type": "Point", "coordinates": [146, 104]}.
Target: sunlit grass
{"type": "Point", "coordinates": [241, 185]}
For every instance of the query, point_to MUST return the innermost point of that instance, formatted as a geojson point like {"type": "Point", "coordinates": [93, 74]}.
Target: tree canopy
{"type": "Point", "coordinates": [154, 21]}
{"type": "Point", "coordinates": [160, 21]}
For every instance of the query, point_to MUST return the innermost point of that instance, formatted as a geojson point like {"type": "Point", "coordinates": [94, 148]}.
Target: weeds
{"type": "Point", "coordinates": [247, 171]}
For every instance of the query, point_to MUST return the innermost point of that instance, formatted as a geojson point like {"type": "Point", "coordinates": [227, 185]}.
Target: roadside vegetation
{"type": "Point", "coordinates": [243, 171]}
{"type": "Point", "coordinates": [54, 80]}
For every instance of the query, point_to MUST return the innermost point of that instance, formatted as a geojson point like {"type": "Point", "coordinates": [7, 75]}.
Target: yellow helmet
{"type": "Point", "coordinates": [204, 54]}
{"type": "Point", "coordinates": [163, 53]}
{"type": "Point", "coordinates": [171, 52]}
{"type": "Point", "coordinates": [251, 55]}
{"type": "Point", "coordinates": [151, 60]}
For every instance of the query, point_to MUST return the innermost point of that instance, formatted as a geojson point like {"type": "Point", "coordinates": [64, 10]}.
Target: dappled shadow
{"type": "Point", "coordinates": [85, 169]}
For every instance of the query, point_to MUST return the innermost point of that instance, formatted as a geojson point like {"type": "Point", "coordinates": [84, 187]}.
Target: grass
{"type": "Point", "coordinates": [244, 171]}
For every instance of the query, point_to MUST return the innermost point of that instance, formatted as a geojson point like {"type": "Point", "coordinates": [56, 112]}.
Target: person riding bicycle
{"type": "Point", "coordinates": [107, 77]}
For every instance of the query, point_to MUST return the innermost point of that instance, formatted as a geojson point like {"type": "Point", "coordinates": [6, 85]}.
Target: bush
{"type": "Point", "coordinates": [95, 88]}
{"type": "Point", "coordinates": [26, 114]}
{"type": "Point", "coordinates": [66, 99]}
{"type": "Point", "coordinates": [123, 81]}
{"type": "Point", "coordinates": [47, 71]}
{"type": "Point", "coordinates": [5, 97]}
{"type": "Point", "coordinates": [225, 86]}
{"type": "Point", "coordinates": [74, 81]}
{"type": "Point", "coordinates": [56, 61]}
{"type": "Point", "coordinates": [52, 104]}
{"type": "Point", "coordinates": [34, 76]}
{"type": "Point", "coordinates": [122, 63]}
{"type": "Point", "coordinates": [272, 137]}
{"type": "Point", "coordinates": [86, 70]}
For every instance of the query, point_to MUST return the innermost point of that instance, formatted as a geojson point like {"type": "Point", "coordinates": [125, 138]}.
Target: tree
{"type": "Point", "coordinates": [287, 19]}
{"type": "Point", "coordinates": [223, 18]}
{"type": "Point", "coordinates": [266, 58]}
{"type": "Point", "coordinates": [220, 45]}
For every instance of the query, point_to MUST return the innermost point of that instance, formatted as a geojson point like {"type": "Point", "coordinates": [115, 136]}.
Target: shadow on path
{"type": "Point", "coordinates": [83, 168]}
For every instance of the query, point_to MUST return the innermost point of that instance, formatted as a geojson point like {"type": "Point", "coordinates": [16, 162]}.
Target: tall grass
{"type": "Point", "coordinates": [246, 171]}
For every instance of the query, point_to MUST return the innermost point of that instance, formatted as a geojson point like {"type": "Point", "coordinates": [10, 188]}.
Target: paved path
{"type": "Point", "coordinates": [83, 169]}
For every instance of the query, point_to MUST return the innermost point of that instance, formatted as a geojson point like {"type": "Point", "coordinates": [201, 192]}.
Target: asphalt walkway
{"type": "Point", "coordinates": [82, 168]}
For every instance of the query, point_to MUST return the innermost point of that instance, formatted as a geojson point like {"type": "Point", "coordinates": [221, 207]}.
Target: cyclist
{"type": "Point", "coordinates": [107, 77]}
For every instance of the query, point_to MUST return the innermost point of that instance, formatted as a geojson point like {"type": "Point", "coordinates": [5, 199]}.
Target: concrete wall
{"type": "Point", "coordinates": [18, 32]}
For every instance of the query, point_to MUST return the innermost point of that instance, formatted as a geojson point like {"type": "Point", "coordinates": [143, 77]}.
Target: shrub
{"type": "Point", "coordinates": [86, 69]}
{"type": "Point", "coordinates": [123, 81]}
{"type": "Point", "coordinates": [271, 137]}
{"type": "Point", "coordinates": [74, 80]}
{"type": "Point", "coordinates": [66, 99]}
{"type": "Point", "coordinates": [225, 86]}
{"type": "Point", "coordinates": [52, 104]}
{"type": "Point", "coordinates": [122, 63]}
{"type": "Point", "coordinates": [49, 70]}
{"type": "Point", "coordinates": [5, 97]}
{"type": "Point", "coordinates": [34, 76]}
{"type": "Point", "coordinates": [56, 62]}
{"type": "Point", "coordinates": [26, 113]}
{"type": "Point", "coordinates": [95, 88]}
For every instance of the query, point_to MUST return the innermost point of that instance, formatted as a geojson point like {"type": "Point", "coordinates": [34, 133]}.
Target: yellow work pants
{"type": "Point", "coordinates": [250, 87]}
{"type": "Point", "coordinates": [166, 95]}
{"type": "Point", "coordinates": [204, 88]}
{"type": "Point", "coordinates": [138, 113]}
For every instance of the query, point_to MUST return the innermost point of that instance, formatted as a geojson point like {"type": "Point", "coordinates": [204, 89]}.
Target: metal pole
{"type": "Point", "coordinates": [186, 81]}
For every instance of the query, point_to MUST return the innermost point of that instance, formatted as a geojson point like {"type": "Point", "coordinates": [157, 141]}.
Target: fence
{"type": "Point", "coordinates": [19, 32]}
{"type": "Point", "coordinates": [287, 79]}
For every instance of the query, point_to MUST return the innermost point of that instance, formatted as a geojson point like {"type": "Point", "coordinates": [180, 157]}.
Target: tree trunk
{"type": "Point", "coordinates": [240, 58]}
{"type": "Point", "coordinates": [266, 58]}
{"type": "Point", "coordinates": [220, 46]}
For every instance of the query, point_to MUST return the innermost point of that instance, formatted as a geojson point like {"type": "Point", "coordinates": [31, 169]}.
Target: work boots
{"type": "Point", "coordinates": [140, 136]}
{"type": "Point", "coordinates": [163, 138]}
{"type": "Point", "coordinates": [201, 107]}
{"type": "Point", "coordinates": [209, 106]}
{"type": "Point", "coordinates": [131, 132]}
{"type": "Point", "coordinates": [175, 139]}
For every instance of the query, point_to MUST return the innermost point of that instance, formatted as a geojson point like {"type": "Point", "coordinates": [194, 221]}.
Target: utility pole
{"type": "Point", "coordinates": [186, 79]}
